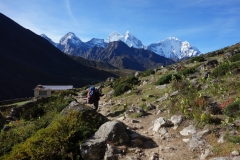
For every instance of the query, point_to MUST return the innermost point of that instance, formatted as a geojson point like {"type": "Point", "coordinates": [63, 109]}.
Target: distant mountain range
{"type": "Point", "coordinates": [169, 48]}
{"type": "Point", "coordinates": [116, 53]}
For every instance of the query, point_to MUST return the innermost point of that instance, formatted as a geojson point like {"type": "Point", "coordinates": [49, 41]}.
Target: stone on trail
{"type": "Point", "coordinates": [188, 131]}
{"type": "Point", "coordinates": [161, 122]}
{"type": "Point", "coordinates": [176, 119]}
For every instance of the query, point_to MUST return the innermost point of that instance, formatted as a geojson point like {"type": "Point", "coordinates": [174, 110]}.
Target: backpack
{"type": "Point", "coordinates": [91, 95]}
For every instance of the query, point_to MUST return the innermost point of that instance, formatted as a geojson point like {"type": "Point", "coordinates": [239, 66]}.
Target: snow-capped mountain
{"type": "Point", "coordinates": [47, 38]}
{"type": "Point", "coordinates": [170, 48]}
{"type": "Point", "coordinates": [174, 48]}
{"type": "Point", "coordinates": [128, 38]}
{"type": "Point", "coordinates": [71, 44]}
{"type": "Point", "coordinates": [70, 38]}
{"type": "Point", "coordinates": [96, 42]}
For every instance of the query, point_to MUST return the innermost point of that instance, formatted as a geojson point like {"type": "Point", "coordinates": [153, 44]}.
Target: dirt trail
{"type": "Point", "coordinates": [169, 146]}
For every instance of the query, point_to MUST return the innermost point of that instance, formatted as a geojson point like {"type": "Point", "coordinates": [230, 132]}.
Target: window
{"type": "Point", "coordinates": [42, 93]}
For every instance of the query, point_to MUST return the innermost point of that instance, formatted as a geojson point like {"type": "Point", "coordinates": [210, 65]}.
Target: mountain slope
{"type": "Point", "coordinates": [47, 38]}
{"type": "Point", "coordinates": [96, 64]}
{"type": "Point", "coordinates": [28, 60]}
{"type": "Point", "coordinates": [118, 54]}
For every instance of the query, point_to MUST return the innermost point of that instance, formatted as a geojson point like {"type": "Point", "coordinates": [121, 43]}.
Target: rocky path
{"type": "Point", "coordinates": [165, 142]}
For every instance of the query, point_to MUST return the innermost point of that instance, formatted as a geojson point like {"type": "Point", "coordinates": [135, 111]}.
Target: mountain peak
{"type": "Point", "coordinates": [128, 38]}
{"type": "Point", "coordinates": [114, 36]}
{"type": "Point", "coordinates": [70, 37]}
{"type": "Point", "coordinates": [173, 48]}
{"type": "Point", "coordinates": [96, 42]}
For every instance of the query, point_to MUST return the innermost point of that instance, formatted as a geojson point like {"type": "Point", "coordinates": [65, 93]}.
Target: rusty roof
{"type": "Point", "coordinates": [53, 87]}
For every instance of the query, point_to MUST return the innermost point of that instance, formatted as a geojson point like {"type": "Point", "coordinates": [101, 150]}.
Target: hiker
{"type": "Point", "coordinates": [94, 95]}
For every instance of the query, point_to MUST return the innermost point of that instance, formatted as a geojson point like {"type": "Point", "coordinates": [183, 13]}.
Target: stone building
{"type": "Point", "coordinates": [47, 90]}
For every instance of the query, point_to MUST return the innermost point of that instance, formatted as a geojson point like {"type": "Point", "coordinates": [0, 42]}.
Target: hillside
{"type": "Point", "coordinates": [28, 60]}
{"type": "Point", "coordinates": [188, 111]}
{"type": "Point", "coordinates": [101, 65]}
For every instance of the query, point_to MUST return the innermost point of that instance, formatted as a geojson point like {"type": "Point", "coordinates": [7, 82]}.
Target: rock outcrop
{"type": "Point", "coordinates": [113, 132]}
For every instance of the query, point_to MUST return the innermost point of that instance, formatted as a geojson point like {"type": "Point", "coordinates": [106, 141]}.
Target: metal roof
{"type": "Point", "coordinates": [54, 87]}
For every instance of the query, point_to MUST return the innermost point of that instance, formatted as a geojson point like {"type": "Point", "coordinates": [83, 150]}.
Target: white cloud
{"type": "Point", "coordinates": [68, 6]}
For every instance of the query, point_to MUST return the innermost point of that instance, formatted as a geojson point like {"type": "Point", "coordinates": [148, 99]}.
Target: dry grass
{"type": "Point", "coordinates": [221, 149]}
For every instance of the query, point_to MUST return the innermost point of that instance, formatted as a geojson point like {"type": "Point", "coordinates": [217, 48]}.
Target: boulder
{"type": "Point", "coordinates": [211, 63]}
{"type": "Point", "coordinates": [161, 122]}
{"type": "Point", "coordinates": [74, 106]}
{"type": "Point", "coordinates": [112, 132]}
{"type": "Point", "coordinates": [174, 93]}
{"type": "Point", "coordinates": [111, 153]}
{"type": "Point", "coordinates": [188, 131]}
{"type": "Point", "coordinates": [176, 119]}
{"type": "Point", "coordinates": [203, 133]}
{"type": "Point", "coordinates": [93, 149]}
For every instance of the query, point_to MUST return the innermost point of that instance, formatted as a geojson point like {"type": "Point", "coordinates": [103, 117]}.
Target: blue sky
{"type": "Point", "coordinates": [207, 24]}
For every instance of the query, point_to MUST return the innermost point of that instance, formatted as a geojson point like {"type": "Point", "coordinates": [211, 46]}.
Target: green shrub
{"type": "Point", "coordinates": [60, 139]}
{"type": "Point", "coordinates": [222, 69]}
{"type": "Point", "coordinates": [147, 73]}
{"type": "Point", "coordinates": [232, 110]}
{"type": "Point", "coordinates": [32, 120]}
{"type": "Point", "coordinates": [122, 85]}
{"type": "Point", "coordinates": [145, 107]}
{"type": "Point", "coordinates": [136, 115]}
{"type": "Point", "coordinates": [198, 59]}
{"type": "Point", "coordinates": [122, 88]}
{"type": "Point", "coordinates": [235, 58]}
{"type": "Point", "coordinates": [167, 79]}
{"type": "Point", "coordinates": [188, 71]}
